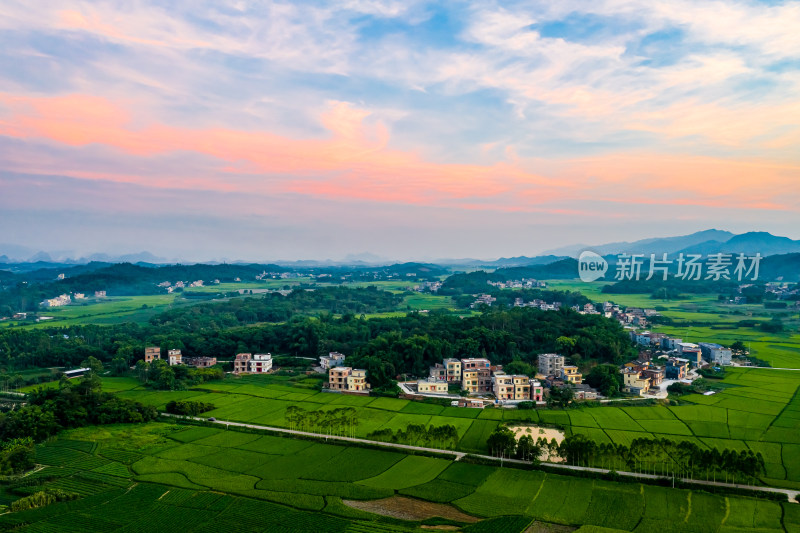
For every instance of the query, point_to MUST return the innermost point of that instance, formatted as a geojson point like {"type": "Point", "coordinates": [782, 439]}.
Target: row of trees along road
{"type": "Point", "coordinates": [648, 456]}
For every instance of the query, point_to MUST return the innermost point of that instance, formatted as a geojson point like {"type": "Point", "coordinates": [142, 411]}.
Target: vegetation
{"type": "Point", "coordinates": [665, 457]}
{"type": "Point", "coordinates": [560, 397]}
{"type": "Point", "coordinates": [188, 408]}
{"type": "Point", "coordinates": [385, 347]}
{"type": "Point", "coordinates": [52, 410]}
{"type": "Point", "coordinates": [275, 307]}
{"type": "Point", "coordinates": [16, 455]}
{"type": "Point", "coordinates": [606, 379]}
{"type": "Point", "coordinates": [445, 436]}
{"type": "Point", "coordinates": [161, 375]}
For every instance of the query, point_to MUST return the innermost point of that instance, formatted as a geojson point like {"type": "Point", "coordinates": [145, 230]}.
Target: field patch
{"type": "Point", "coordinates": [411, 509]}
{"type": "Point", "coordinates": [412, 470]}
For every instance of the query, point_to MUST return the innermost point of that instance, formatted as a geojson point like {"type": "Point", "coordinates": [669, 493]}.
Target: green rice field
{"type": "Point", "coordinates": [160, 477]}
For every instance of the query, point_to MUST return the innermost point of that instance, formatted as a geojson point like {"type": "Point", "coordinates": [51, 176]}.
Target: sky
{"type": "Point", "coordinates": [214, 130]}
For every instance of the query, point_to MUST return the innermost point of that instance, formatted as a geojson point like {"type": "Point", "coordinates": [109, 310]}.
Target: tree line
{"type": "Point", "coordinates": [663, 457]}
{"type": "Point", "coordinates": [342, 421]}
{"type": "Point", "coordinates": [445, 436]}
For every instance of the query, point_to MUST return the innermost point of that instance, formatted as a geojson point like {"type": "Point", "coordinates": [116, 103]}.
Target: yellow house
{"type": "Point", "coordinates": [503, 386]}
{"type": "Point", "coordinates": [453, 369]}
{"type": "Point", "coordinates": [357, 380]}
{"type": "Point", "coordinates": [634, 382]}
{"type": "Point", "coordinates": [522, 387]}
{"type": "Point", "coordinates": [432, 386]}
{"type": "Point", "coordinates": [469, 381]}
{"type": "Point", "coordinates": [511, 387]}
{"type": "Point", "coordinates": [570, 374]}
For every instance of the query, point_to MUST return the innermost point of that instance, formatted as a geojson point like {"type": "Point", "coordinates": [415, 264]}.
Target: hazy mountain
{"type": "Point", "coordinates": [747, 243]}
{"type": "Point", "coordinates": [12, 253]}
{"type": "Point", "coordinates": [365, 257]}
{"type": "Point", "coordinates": [702, 242]}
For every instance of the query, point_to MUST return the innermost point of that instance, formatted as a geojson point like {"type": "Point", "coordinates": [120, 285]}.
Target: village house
{"type": "Point", "coordinates": [516, 387]}
{"type": "Point", "coordinates": [347, 379]}
{"type": "Point", "coordinates": [174, 357]}
{"type": "Point", "coordinates": [438, 372]}
{"type": "Point", "coordinates": [715, 353]}
{"type": "Point", "coordinates": [570, 374]}
{"type": "Point", "coordinates": [432, 386]}
{"type": "Point", "coordinates": [200, 362]}
{"type": "Point", "coordinates": [676, 368]}
{"type": "Point", "coordinates": [585, 392]}
{"type": "Point", "coordinates": [690, 351]}
{"type": "Point", "coordinates": [476, 375]}
{"type": "Point", "coordinates": [246, 363]}
{"type": "Point", "coordinates": [453, 367]}
{"type": "Point", "coordinates": [333, 359]}
{"type": "Point", "coordinates": [634, 382]}
{"type": "Point", "coordinates": [551, 364]}
{"type": "Point", "coordinates": [151, 353]}
{"type": "Point", "coordinates": [654, 373]}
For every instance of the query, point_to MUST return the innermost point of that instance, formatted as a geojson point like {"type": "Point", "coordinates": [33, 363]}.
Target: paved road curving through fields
{"type": "Point", "coordinates": [792, 494]}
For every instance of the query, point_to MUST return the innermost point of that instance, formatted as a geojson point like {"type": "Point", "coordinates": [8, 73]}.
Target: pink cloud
{"type": "Point", "coordinates": [355, 162]}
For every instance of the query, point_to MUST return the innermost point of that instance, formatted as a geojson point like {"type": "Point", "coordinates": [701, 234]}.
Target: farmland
{"type": "Point", "coordinates": [158, 477]}
{"type": "Point", "coordinates": [759, 411]}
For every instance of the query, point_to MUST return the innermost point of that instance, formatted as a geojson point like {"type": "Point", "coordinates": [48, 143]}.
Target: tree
{"type": "Point", "coordinates": [560, 396]}
{"type": "Point", "coordinates": [565, 345]}
{"type": "Point", "coordinates": [577, 449]}
{"type": "Point", "coordinates": [606, 379]}
{"type": "Point", "coordinates": [520, 367]}
{"type": "Point", "coordinates": [95, 365]}
{"type": "Point", "coordinates": [119, 367]}
{"type": "Point", "coordinates": [502, 442]}
{"type": "Point", "coordinates": [527, 450]}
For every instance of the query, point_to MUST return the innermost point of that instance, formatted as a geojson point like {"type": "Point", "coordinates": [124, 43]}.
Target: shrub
{"type": "Point", "coordinates": [42, 498]}
{"type": "Point", "coordinates": [188, 408]}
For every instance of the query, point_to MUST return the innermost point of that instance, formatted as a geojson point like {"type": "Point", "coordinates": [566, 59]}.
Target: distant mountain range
{"type": "Point", "coordinates": [11, 253]}
{"type": "Point", "coordinates": [703, 242]}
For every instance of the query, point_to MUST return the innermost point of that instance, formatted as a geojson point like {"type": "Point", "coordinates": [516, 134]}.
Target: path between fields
{"type": "Point", "coordinates": [792, 494]}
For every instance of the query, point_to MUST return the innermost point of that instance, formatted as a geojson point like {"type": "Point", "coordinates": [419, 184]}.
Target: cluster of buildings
{"type": "Point", "coordinates": [639, 377]}
{"type": "Point", "coordinates": [696, 354]}
{"type": "Point", "coordinates": [276, 275]}
{"type": "Point", "coordinates": [66, 299]}
{"type": "Point", "coordinates": [182, 285]}
{"type": "Point", "coordinates": [478, 376]}
{"type": "Point", "coordinates": [249, 363]}
{"type": "Point", "coordinates": [174, 357]}
{"type": "Point", "coordinates": [428, 286]}
{"type": "Point", "coordinates": [483, 299]}
{"type": "Point", "coordinates": [58, 301]}
{"type": "Point", "coordinates": [540, 304]}
{"type": "Point", "coordinates": [518, 284]}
